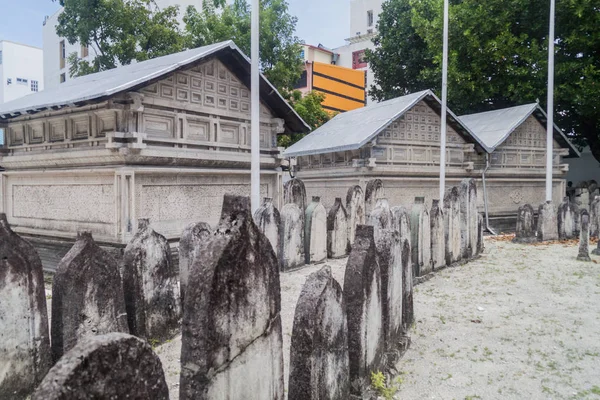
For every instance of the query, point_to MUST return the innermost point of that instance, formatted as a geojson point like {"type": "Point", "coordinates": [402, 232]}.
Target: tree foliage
{"type": "Point", "coordinates": [498, 53]}
{"type": "Point", "coordinates": [310, 108]}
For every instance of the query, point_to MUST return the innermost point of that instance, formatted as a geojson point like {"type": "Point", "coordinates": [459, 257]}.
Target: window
{"type": "Point", "coordinates": [62, 53]}
{"type": "Point", "coordinates": [8, 81]}
{"type": "Point", "coordinates": [34, 86]}
{"type": "Point", "coordinates": [63, 78]}
{"type": "Point", "coordinates": [358, 59]}
{"type": "Point", "coordinates": [302, 54]}
{"type": "Point", "coordinates": [84, 51]}
{"type": "Point", "coordinates": [370, 18]}
{"type": "Point", "coordinates": [21, 81]}
{"type": "Point", "coordinates": [302, 82]}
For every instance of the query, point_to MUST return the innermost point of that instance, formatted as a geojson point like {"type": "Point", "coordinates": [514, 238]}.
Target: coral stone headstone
{"type": "Point", "coordinates": [268, 220]}
{"type": "Point", "coordinates": [480, 229]}
{"type": "Point", "coordinates": [420, 238]}
{"type": "Point", "coordinates": [291, 254]}
{"type": "Point", "coordinates": [373, 191]}
{"type": "Point", "coordinates": [380, 217]}
{"type": "Point", "coordinates": [337, 230]}
{"type": "Point", "coordinates": [401, 223]}
{"type": "Point", "coordinates": [465, 225]}
{"type": "Point", "coordinates": [408, 314]}
{"type": "Point", "coordinates": [567, 225]}
{"type": "Point", "coordinates": [110, 366]}
{"type": "Point", "coordinates": [362, 293]}
{"type": "Point", "coordinates": [87, 296]}
{"type": "Point", "coordinates": [231, 334]}
{"type": "Point", "coordinates": [319, 363]}
{"type": "Point", "coordinates": [584, 237]}
{"type": "Point", "coordinates": [438, 246]}
{"type": "Point", "coordinates": [452, 226]}
{"type": "Point", "coordinates": [525, 232]}
{"type": "Point", "coordinates": [473, 217]}
{"type": "Point", "coordinates": [24, 337]}
{"type": "Point", "coordinates": [547, 226]}
{"type": "Point", "coordinates": [150, 285]}
{"type": "Point", "coordinates": [594, 216]}
{"type": "Point", "coordinates": [192, 235]}
{"type": "Point", "coordinates": [355, 206]}
{"type": "Point", "coordinates": [315, 232]}
{"type": "Point", "coordinates": [295, 192]}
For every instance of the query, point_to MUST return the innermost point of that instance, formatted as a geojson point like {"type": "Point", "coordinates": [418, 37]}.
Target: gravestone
{"type": "Point", "coordinates": [480, 229]}
{"type": "Point", "coordinates": [87, 296]}
{"type": "Point", "coordinates": [401, 223]}
{"type": "Point", "coordinates": [315, 232]}
{"type": "Point", "coordinates": [452, 226]}
{"type": "Point", "coordinates": [465, 219]}
{"type": "Point", "coordinates": [319, 363]}
{"type": "Point", "coordinates": [584, 237]}
{"type": "Point", "coordinates": [438, 243]}
{"type": "Point", "coordinates": [525, 232]}
{"type": "Point", "coordinates": [337, 230]}
{"type": "Point", "coordinates": [110, 366]}
{"type": "Point", "coordinates": [594, 216]}
{"type": "Point", "coordinates": [408, 314]}
{"type": "Point", "coordinates": [192, 235]}
{"type": "Point", "coordinates": [355, 207]}
{"type": "Point", "coordinates": [150, 285]}
{"type": "Point", "coordinates": [582, 198]}
{"type": "Point", "coordinates": [362, 294]}
{"type": "Point", "coordinates": [295, 192]}
{"type": "Point", "coordinates": [473, 217]}
{"type": "Point", "coordinates": [547, 226]}
{"type": "Point", "coordinates": [291, 254]}
{"type": "Point", "coordinates": [566, 220]}
{"type": "Point", "coordinates": [420, 238]}
{"type": "Point", "coordinates": [389, 258]}
{"type": "Point", "coordinates": [24, 336]}
{"type": "Point", "coordinates": [373, 191]}
{"type": "Point", "coordinates": [380, 217]}
{"type": "Point", "coordinates": [231, 334]}
{"type": "Point", "coordinates": [268, 220]}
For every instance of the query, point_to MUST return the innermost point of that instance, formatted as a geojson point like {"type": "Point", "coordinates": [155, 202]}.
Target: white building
{"type": "Point", "coordinates": [364, 15]}
{"type": "Point", "coordinates": [21, 71]}
{"type": "Point", "coordinates": [57, 49]}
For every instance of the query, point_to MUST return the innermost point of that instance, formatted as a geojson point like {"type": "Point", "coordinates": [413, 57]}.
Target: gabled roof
{"type": "Point", "coordinates": [99, 86]}
{"type": "Point", "coordinates": [494, 127]}
{"type": "Point", "coordinates": [353, 129]}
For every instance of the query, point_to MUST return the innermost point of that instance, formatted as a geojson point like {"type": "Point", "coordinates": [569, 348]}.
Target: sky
{"type": "Point", "coordinates": [319, 21]}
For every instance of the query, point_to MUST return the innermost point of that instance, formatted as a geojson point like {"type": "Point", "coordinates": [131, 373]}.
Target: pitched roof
{"type": "Point", "coordinates": [353, 129]}
{"type": "Point", "coordinates": [494, 127]}
{"type": "Point", "coordinates": [99, 86]}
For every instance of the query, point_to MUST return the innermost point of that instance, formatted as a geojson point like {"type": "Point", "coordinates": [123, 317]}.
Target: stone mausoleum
{"type": "Point", "coordinates": [162, 139]}
{"type": "Point", "coordinates": [398, 141]}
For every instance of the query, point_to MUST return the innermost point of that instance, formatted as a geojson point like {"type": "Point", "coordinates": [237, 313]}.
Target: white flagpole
{"type": "Point", "coordinates": [255, 110]}
{"type": "Point", "coordinates": [444, 107]}
{"type": "Point", "coordinates": [550, 125]}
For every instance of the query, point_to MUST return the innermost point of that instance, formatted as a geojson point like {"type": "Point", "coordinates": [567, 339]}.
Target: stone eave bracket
{"type": "Point", "coordinates": [132, 141]}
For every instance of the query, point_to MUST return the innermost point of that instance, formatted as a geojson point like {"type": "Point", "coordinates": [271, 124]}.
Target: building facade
{"type": "Point", "coordinates": [21, 70]}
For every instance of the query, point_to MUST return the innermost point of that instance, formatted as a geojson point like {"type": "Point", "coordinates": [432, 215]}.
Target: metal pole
{"type": "Point", "coordinates": [255, 110]}
{"type": "Point", "coordinates": [444, 107]}
{"type": "Point", "coordinates": [550, 125]}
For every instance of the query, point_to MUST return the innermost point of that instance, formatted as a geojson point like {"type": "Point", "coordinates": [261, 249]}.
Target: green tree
{"type": "Point", "coordinates": [118, 32]}
{"type": "Point", "coordinates": [310, 108]}
{"type": "Point", "coordinates": [497, 56]}
{"type": "Point", "coordinates": [280, 59]}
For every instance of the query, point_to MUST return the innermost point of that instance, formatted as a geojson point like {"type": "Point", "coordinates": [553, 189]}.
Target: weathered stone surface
{"type": "Point", "coordinates": [231, 336]}
{"type": "Point", "coordinates": [315, 232]}
{"type": "Point", "coordinates": [452, 226]}
{"type": "Point", "coordinates": [408, 314]}
{"type": "Point", "coordinates": [292, 237]}
{"type": "Point", "coordinates": [268, 220]}
{"type": "Point", "coordinates": [295, 192]}
{"type": "Point", "coordinates": [110, 366]}
{"type": "Point", "coordinates": [192, 235]}
{"type": "Point", "coordinates": [420, 238]}
{"type": "Point", "coordinates": [319, 362]}
{"type": "Point", "coordinates": [355, 207]}
{"type": "Point", "coordinates": [566, 220]}
{"type": "Point", "coordinates": [389, 258]}
{"type": "Point", "coordinates": [24, 336]}
{"type": "Point", "coordinates": [584, 236]}
{"type": "Point", "coordinates": [87, 296]}
{"type": "Point", "coordinates": [438, 242]}
{"type": "Point", "coordinates": [547, 226]}
{"type": "Point", "coordinates": [337, 230]}
{"type": "Point", "coordinates": [373, 191]}
{"type": "Point", "coordinates": [468, 217]}
{"type": "Point", "coordinates": [401, 223]}
{"type": "Point", "coordinates": [362, 293]}
{"type": "Point", "coordinates": [473, 217]}
{"type": "Point", "coordinates": [594, 216]}
{"type": "Point", "coordinates": [380, 217]}
{"type": "Point", "coordinates": [582, 198]}
{"type": "Point", "coordinates": [480, 229]}
{"type": "Point", "coordinates": [150, 285]}
{"type": "Point", "coordinates": [525, 232]}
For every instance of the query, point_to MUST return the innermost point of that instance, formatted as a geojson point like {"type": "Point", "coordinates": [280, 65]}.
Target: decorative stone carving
{"type": "Point", "coordinates": [319, 363]}
{"type": "Point", "coordinates": [315, 232]}
{"type": "Point", "coordinates": [268, 220]}
{"type": "Point", "coordinates": [584, 237]}
{"type": "Point", "coordinates": [110, 366]}
{"type": "Point", "coordinates": [87, 296]}
{"type": "Point", "coordinates": [24, 337]}
{"type": "Point", "coordinates": [355, 206]}
{"type": "Point", "coordinates": [193, 234]}
{"type": "Point", "coordinates": [337, 230]}
{"type": "Point", "coordinates": [547, 226]}
{"type": "Point", "coordinates": [295, 192]}
{"type": "Point", "coordinates": [231, 320]}
{"type": "Point", "coordinates": [438, 243]}
{"type": "Point", "coordinates": [566, 220]}
{"type": "Point", "coordinates": [525, 232]}
{"type": "Point", "coordinates": [292, 237]}
{"type": "Point", "coordinates": [150, 285]}
{"type": "Point", "coordinates": [373, 191]}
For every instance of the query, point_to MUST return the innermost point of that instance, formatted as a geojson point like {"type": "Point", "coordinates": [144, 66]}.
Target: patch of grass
{"type": "Point", "coordinates": [383, 389]}
{"type": "Point", "coordinates": [153, 343]}
{"type": "Point", "coordinates": [473, 397]}
{"type": "Point", "coordinates": [48, 297]}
